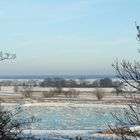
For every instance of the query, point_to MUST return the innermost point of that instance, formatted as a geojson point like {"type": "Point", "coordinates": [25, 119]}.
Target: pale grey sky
{"type": "Point", "coordinates": [67, 37]}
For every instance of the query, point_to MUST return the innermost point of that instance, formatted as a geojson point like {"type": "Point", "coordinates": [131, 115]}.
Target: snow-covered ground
{"type": "Point", "coordinates": [69, 135]}
{"type": "Point", "coordinates": [74, 105]}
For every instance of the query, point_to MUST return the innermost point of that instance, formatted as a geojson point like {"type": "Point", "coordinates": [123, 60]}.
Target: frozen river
{"type": "Point", "coordinates": [71, 116]}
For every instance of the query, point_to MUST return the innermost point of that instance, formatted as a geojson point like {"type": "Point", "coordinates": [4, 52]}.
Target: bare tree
{"type": "Point", "coordinates": [128, 124]}
{"type": "Point", "coordinates": [12, 128]}
{"type": "Point", "coordinates": [118, 87]}
{"type": "Point", "coordinates": [4, 56]}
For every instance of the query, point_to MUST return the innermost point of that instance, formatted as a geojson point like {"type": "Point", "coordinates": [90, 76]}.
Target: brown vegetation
{"type": "Point", "coordinates": [99, 93]}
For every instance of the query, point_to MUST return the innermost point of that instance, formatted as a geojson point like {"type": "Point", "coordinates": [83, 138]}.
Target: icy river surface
{"type": "Point", "coordinates": [70, 116]}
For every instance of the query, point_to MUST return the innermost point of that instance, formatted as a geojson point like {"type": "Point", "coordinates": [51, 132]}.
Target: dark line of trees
{"type": "Point", "coordinates": [60, 82]}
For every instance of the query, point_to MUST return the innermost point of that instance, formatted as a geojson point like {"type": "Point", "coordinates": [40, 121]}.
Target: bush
{"type": "Point", "coordinates": [58, 90]}
{"type": "Point", "coordinates": [71, 93]}
{"type": "Point", "coordinates": [12, 128]}
{"type": "Point", "coordinates": [27, 91]}
{"type": "Point", "coordinates": [67, 94]}
{"type": "Point", "coordinates": [48, 94]}
{"type": "Point", "coordinates": [75, 93]}
{"type": "Point", "coordinates": [15, 89]}
{"type": "Point", "coordinates": [99, 93]}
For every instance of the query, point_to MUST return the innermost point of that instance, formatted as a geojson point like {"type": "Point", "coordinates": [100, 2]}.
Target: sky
{"type": "Point", "coordinates": [67, 36]}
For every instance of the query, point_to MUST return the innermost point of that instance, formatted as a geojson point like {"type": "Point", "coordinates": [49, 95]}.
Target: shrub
{"type": "Point", "coordinates": [48, 94]}
{"type": "Point", "coordinates": [76, 93]}
{"type": "Point", "coordinates": [71, 93]}
{"type": "Point", "coordinates": [68, 94]}
{"type": "Point", "coordinates": [27, 91]}
{"type": "Point", "coordinates": [12, 128]}
{"type": "Point", "coordinates": [15, 89]}
{"type": "Point", "coordinates": [99, 93]}
{"type": "Point", "coordinates": [58, 90]}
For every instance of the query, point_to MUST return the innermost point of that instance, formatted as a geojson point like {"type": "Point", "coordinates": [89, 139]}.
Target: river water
{"type": "Point", "coordinates": [70, 116]}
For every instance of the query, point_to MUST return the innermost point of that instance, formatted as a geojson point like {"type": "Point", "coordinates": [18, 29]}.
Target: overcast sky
{"type": "Point", "coordinates": [67, 36]}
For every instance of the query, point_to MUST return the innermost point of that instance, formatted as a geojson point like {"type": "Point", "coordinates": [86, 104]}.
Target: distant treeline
{"type": "Point", "coordinates": [81, 82]}
{"type": "Point", "coordinates": [61, 82]}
